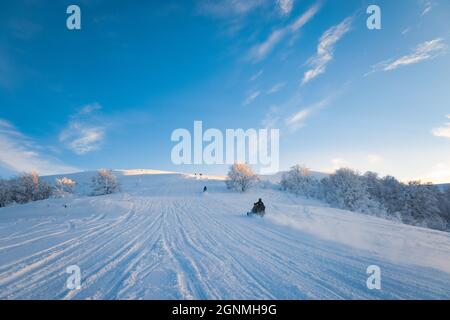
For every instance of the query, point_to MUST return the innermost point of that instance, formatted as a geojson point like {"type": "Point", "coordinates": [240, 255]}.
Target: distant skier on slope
{"type": "Point", "coordinates": [258, 208]}
{"type": "Point", "coordinates": [205, 189]}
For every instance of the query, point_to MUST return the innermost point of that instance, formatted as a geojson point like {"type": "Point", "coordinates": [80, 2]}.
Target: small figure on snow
{"type": "Point", "coordinates": [205, 189]}
{"type": "Point", "coordinates": [258, 208]}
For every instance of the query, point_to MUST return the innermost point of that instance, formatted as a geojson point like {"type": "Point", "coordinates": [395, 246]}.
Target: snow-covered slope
{"type": "Point", "coordinates": [163, 238]}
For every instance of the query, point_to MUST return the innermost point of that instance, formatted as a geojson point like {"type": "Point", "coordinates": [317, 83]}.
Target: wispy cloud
{"type": "Point", "coordinates": [424, 51]}
{"type": "Point", "coordinates": [21, 154]}
{"type": "Point", "coordinates": [82, 135]}
{"type": "Point", "coordinates": [256, 75]}
{"type": "Point", "coordinates": [233, 8]}
{"type": "Point", "coordinates": [276, 87]}
{"type": "Point", "coordinates": [338, 163]}
{"type": "Point", "coordinates": [427, 7]}
{"type": "Point", "coordinates": [325, 49]}
{"type": "Point", "coordinates": [406, 30]}
{"type": "Point", "coordinates": [305, 17]}
{"type": "Point", "coordinates": [87, 109]}
{"type": "Point", "coordinates": [439, 173]}
{"type": "Point", "coordinates": [260, 51]}
{"type": "Point", "coordinates": [81, 138]}
{"type": "Point", "coordinates": [251, 97]}
{"type": "Point", "coordinates": [335, 164]}
{"type": "Point", "coordinates": [224, 8]}
{"type": "Point", "coordinates": [271, 119]}
{"type": "Point", "coordinates": [374, 158]}
{"type": "Point", "coordinates": [297, 120]}
{"type": "Point", "coordinates": [444, 131]}
{"type": "Point", "coordinates": [285, 6]}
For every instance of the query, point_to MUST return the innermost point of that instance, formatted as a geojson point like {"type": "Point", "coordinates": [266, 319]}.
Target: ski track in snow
{"type": "Point", "coordinates": [164, 239]}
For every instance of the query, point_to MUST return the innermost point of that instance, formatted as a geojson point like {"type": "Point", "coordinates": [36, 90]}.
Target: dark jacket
{"type": "Point", "coordinates": [258, 207]}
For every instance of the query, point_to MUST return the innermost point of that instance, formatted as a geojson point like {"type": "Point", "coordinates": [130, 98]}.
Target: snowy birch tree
{"type": "Point", "coordinates": [241, 177]}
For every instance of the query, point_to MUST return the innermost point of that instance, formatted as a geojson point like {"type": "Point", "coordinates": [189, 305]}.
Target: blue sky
{"type": "Point", "coordinates": [110, 95]}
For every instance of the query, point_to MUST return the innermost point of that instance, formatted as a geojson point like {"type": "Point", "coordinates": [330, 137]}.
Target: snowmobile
{"type": "Point", "coordinates": [258, 209]}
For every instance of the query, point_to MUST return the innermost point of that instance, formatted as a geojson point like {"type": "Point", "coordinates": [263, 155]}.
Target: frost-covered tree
{"type": "Point", "coordinates": [29, 187]}
{"type": "Point", "coordinates": [299, 181]}
{"type": "Point", "coordinates": [374, 186]}
{"type": "Point", "coordinates": [45, 191]}
{"type": "Point", "coordinates": [5, 193]}
{"type": "Point", "coordinates": [421, 206]}
{"type": "Point", "coordinates": [347, 190]}
{"type": "Point", "coordinates": [392, 195]}
{"type": "Point", "coordinates": [104, 182]}
{"type": "Point", "coordinates": [64, 186]}
{"type": "Point", "coordinates": [241, 177]}
{"type": "Point", "coordinates": [415, 203]}
{"type": "Point", "coordinates": [23, 188]}
{"type": "Point", "coordinates": [444, 206]}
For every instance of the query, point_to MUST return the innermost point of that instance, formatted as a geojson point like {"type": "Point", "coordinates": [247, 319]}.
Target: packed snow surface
{"type": "Point", "coordinates": [163, 238]}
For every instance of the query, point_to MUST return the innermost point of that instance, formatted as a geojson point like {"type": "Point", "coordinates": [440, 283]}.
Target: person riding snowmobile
{"type": "Point", "coordinates": [259, 208]}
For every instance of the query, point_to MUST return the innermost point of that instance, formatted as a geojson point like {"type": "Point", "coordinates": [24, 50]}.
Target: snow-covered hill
{"type": "Point", "coordinates": [163, 238]}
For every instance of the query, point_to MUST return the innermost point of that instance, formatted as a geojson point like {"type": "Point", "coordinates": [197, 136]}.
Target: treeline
{"type": "Point", "coordinates": [30, 187]}
{"type": "Point", "coordinates": [413, 203]}
{"type": "Point", "coordinates": [25, 188]}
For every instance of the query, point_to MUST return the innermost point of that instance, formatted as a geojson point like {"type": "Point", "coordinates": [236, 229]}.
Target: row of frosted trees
{"type": "Point", "coordinates": [30, 187]}
{"type": "Point", "coordinates": [412, 203]}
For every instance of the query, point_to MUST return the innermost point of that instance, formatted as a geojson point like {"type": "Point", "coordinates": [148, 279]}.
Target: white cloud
{"type": "Point", "coordinates": [424, 51]}
{"type": "Point", "coordinates": [276, 87]}
{"type": "Point", "coordinates": [20, 154]}
{"type": "Point", "coordinates": [89, 108]}
{"type": "Point", "coordinates": [305, 17]}
{"type": "Point", "coordinates": [256, 75]}
{"type": "Point", "coordinates": [225, 8]}
{"type": "Point", "coordinates": [82, 138]}
{"type": "Point", "coordinates": [374, 158]}
{"type": "Point", "coordinates": [285, 6]}
{"type": "Point", "coordinates": [297, 120]}
{"type": "Point", "coordinates": [406, 30]}
{"type": "Point", "coordinates": [338, 163]}
{"type": "Point", "coordinates": [261, 50]}
{"type": "Point", "coordinates": [443, 132]}
{"type": "Point", "coordinates": [4, 124]}
{"type": "Point", "coordinates": [360, 161]}
{"type": "Point", "coordinates": [251, 97]}
{"type": "Point", "coordinates": [325, 49]}
{"type": "Point", "coordinates": [271, 118]}
{"type": "Point", "coordinates": [428, 6]}
{"type": "Point", "coordinates": [82, 135]}
{"type": "Point", "coordinates": [335, 164]}
{"type": "Point", "coordinates": [233, 8]}
{"type": "Point", "coordinates": [299, 117]}
{"type": "Point", "coordinates": [439, 173]}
